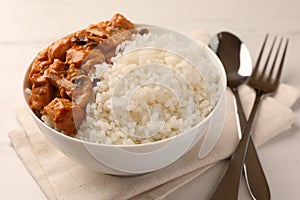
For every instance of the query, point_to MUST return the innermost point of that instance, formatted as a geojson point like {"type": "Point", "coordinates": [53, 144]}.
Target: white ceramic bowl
{"type": "Point", "coordinates": [143, 158]}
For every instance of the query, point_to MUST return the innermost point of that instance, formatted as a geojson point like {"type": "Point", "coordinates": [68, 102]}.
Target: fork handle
{"type": "Point", "coordinates": [256, 181]}
{"type": "Point", "coordinates": [255, 177]}
{"type": "Point", "coordinates": [229, 186]}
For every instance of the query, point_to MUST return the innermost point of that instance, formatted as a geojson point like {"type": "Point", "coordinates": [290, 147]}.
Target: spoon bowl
{"type": "Point", "coordinates": [235, 57]}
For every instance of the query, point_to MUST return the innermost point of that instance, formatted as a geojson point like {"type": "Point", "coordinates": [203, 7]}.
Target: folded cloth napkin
{"type": "Point", "coordinates": [61, 178]}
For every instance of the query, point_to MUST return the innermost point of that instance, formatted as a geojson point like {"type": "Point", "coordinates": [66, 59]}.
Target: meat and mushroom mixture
{"type": "Point", "coordinates": [59, 81]}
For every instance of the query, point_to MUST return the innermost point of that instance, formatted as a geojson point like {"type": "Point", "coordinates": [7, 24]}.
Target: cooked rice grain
{"type": "Point", "coordinates": [148, 94]}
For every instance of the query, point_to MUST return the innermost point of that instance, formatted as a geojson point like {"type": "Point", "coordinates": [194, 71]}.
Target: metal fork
{"type": "Point", "coordinates": [262, 83]}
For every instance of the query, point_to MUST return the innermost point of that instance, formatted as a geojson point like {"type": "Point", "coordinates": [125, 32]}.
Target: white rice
{"type": "Point", "coordinates": [148, 94]}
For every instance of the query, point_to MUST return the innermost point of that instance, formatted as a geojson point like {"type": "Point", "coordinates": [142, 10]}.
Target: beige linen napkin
{"type": "Point", "coordinates": [61, 178]}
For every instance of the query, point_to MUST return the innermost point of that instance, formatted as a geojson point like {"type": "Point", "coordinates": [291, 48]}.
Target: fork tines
{"type": "Point", "coordinates": [274, 55]}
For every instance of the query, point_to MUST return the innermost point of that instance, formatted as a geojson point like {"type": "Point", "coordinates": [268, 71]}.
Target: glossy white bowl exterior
{"type": "Point", "coordinates": [143, 158]}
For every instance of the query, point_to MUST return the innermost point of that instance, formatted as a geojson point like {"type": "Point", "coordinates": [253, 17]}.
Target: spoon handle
{"type": "Point", "coordinates": [255, 177]}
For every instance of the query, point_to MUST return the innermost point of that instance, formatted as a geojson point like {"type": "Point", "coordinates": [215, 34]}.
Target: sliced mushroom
{"type": "Point", "coordinates": [82, 90]}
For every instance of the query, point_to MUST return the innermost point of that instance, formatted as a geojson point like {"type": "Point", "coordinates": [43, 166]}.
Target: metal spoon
{"type": "Point", "coordinates": [238, 66]}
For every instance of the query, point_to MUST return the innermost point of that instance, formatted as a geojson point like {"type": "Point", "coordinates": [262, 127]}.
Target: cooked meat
{"type": "Point", "coordinates": [65, 115]}
{"type": "Point", "coordinates": [97, 30]}
{"type": "Point", "coordinates": [58, 66]}
{"type": "Point", "coordinates": [41, 94]}
{"type": "Point", "coordinates": [72, 72]}
{"type": "Point", "coordinates": [55, 74]}
{"type": "Point", "coordinates": [118, 21]}
{"type": "Point", "coordinates": [38, 79]}
{"type": "Point", "coordinates": [82, 91]}
{"type": "Point", "coordinates": [77, 55]}
{"type": "Point", "coordinates": [38, 68]}
{"type": "Point", "coordinates": [58, 76]}
{"type": "Point", "coordinates": [64, 85]}
{"type": "Point", "coordinates": [43, 55]}
{"type": "Point", "coordinates": [58, 49]}
{"type": "Point", "coordinates": [96, 56]}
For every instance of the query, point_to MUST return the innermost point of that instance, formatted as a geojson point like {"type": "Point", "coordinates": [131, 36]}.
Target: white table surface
{"type": "Point", "coordinates": [28, 26]}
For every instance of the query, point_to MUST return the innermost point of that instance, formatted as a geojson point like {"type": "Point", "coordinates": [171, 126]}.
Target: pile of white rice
{"type": "Point", "coordinates": [148, 94]}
